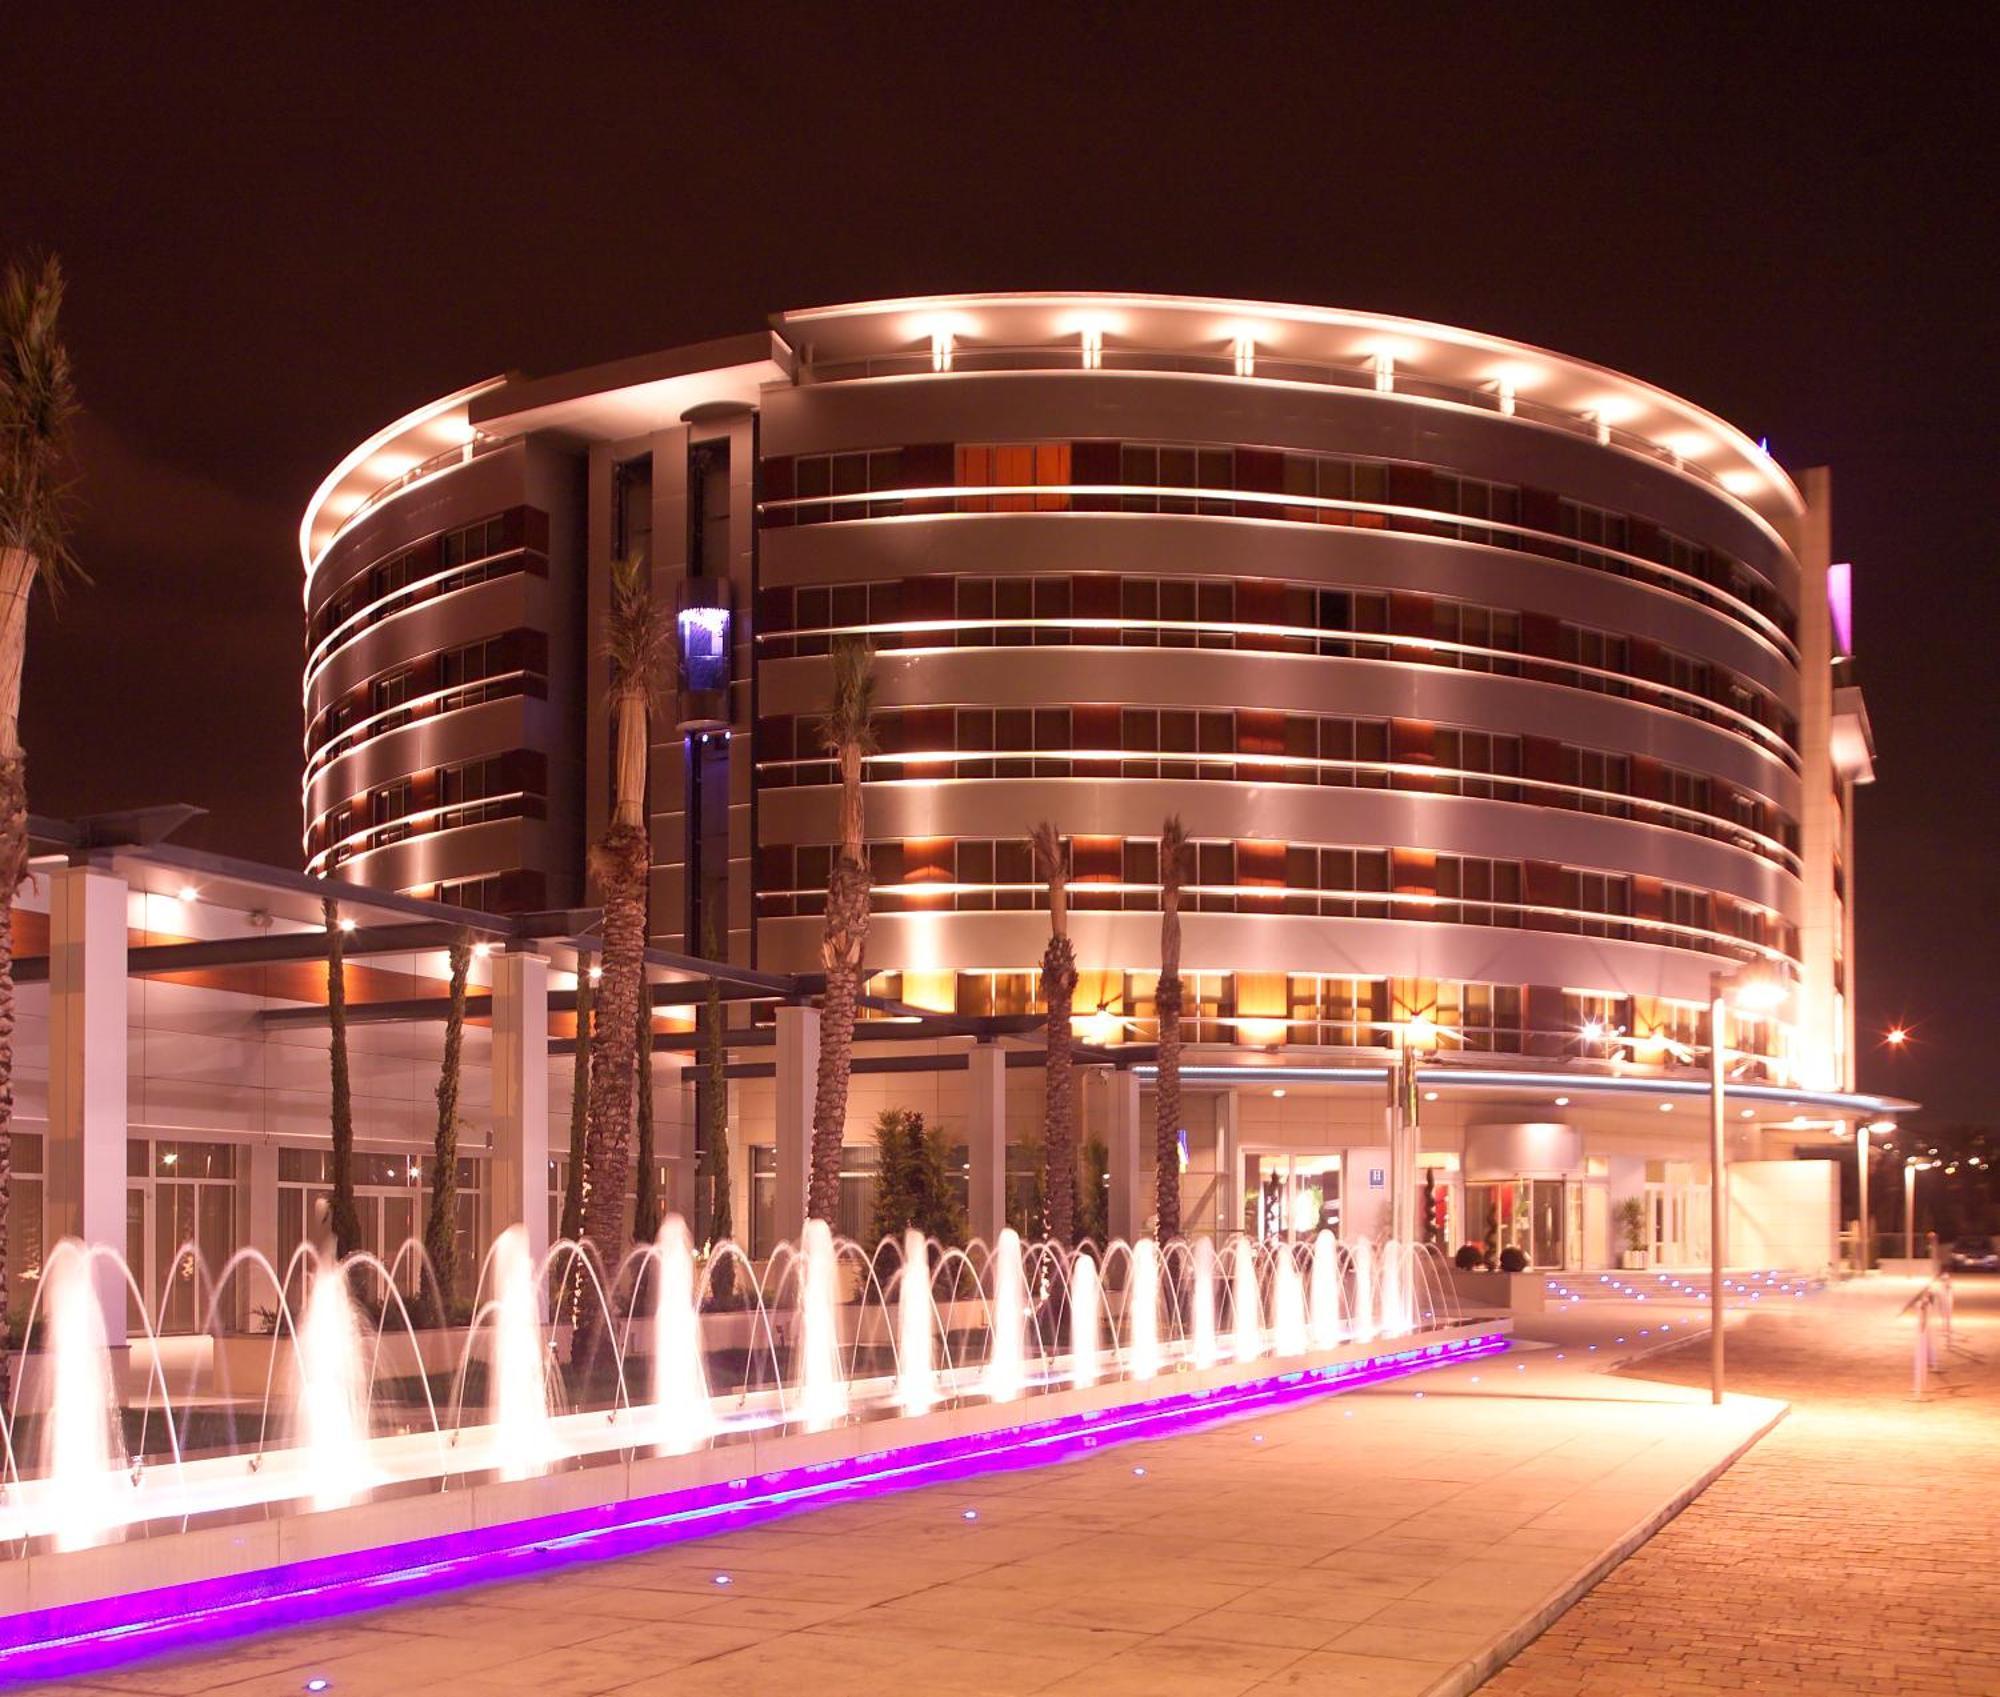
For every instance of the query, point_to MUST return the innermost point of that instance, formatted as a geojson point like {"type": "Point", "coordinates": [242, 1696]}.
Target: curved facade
{"type": "Point", "coordinates": [1498, 692]}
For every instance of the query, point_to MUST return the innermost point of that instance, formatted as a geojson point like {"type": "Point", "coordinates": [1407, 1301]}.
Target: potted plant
{"type": "Point", "coordinates": [1631, 1217]}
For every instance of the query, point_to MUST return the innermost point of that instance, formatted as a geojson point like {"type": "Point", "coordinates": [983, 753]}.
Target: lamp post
{"type": "Point", "coordinates": [1911, 1167]}
{"type": "Point", "coordinates": [1751, 989]}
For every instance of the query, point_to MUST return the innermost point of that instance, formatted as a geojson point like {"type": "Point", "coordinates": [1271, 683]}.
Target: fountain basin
{"type": "Point", "coordinates": [76, 1609]}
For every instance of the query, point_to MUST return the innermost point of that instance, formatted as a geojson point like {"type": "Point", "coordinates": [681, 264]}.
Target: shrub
{"type": "Point", "coordinates": [1469, 1256]}
{"type": "Point", "coordinates": [1513, 1261]}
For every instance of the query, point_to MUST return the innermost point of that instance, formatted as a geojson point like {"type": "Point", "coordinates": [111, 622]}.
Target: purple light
{"type": "Point", "coordinates": [78, 1637]}
{"type": "Point", "coordinates": [1840, 604]}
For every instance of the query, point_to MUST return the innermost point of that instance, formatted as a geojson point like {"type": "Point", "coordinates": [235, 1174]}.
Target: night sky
{"type": "Point", "coordinates": [286, 225]}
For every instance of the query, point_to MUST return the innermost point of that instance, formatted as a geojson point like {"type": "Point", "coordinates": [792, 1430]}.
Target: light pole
{"type": "Point", "coordinates": [1911, 1167]}
{"type": "Point", "coordinates": [1752, 989]}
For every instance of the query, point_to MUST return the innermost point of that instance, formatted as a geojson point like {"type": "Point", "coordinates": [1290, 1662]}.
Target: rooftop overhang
{"type": "Point", "coordinates": [1771, 1104]}
{"type": "Point", "coordinates": [612, 402]}
{"type": "Point", "coordinates": [1850, 738]}
{"type": "Point", "coordinates": [634, 397]}
{"type": "Point", "coordinates": [1440, 353]}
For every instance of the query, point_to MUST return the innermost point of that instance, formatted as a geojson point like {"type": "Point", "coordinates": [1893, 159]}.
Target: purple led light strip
{"type": "Point", "coordinates": [79, 1637]}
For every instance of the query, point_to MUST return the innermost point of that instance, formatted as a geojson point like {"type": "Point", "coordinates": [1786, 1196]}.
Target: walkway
{"type": "Point", "coordinates": [1389, 1542]}
{"type": "Point", "coordinates": [1856, 1550]}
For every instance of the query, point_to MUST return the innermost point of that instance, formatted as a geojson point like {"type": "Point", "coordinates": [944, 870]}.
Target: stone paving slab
{"type": "Point", "coordinates": [1405, 1539]}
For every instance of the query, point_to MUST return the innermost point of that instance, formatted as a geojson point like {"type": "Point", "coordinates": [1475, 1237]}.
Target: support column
{"type": "Point", "coordinates": [986, 1138]}
{"type": "Point", "coordinates": [798, 1082]}
{"type": "Point", "coordinates": [1403, 1135]}
{"type": "Point", "coordinates": [520, 1161]}
{"type": "Point", "coordinates": [1228, 1167]}
{"type": "Point", "coordinates": [1130, 1187]}
{"type": "Point", "coordinates": [87, 1071]}
{"type": "Point", "coordinates": [678, 1145]}
{"type": "Point", "coordinates": [260, 1216]}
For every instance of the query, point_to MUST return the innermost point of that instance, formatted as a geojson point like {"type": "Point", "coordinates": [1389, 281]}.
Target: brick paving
{"type": "Point", "coordinates": [1855, 1550]}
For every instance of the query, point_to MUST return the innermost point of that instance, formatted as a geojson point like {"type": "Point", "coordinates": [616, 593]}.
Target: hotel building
{"type": "Point", "coordinates": [1507, 700]}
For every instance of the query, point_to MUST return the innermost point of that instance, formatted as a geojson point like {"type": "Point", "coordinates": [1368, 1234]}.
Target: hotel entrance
{"type": "Point", "coordinates": [1541, 1217]}
{"type": "Point", "coordinates": [1290, 1195]}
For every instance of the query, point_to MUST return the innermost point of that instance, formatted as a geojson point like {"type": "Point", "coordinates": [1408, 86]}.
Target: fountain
{"type": "Point", "coordinates": [558, 1467]}
{"type": "Point", "coordinates": [1365, 1326]}
{"type": "Point", "coordinates": [916, 1383]}
{"type": "Point", "coordinates": [85, 1448]}
{"type": "Point", "coordinates": [518, 1388]}
{"type": "Point", "coordinates": [1085, 1364]}
{"type": "Point", "coordinates": [332, 1387]}
{"type": "Point", "coordinates": [822, 1395]}
{"type": "Point", "coordinates": [682, 1413]}
{"type": "Point", "coordinates": [1202, 1350]}
{"type": "Point", "coordinates": [1142, 1310]}
{"type": "Point", "coordinates": [1395, 1293]}
{"type": "Point", "coordinates": [1288, 1304]}
{"type": "Point", "coordinates": [1247, 1329]}
{"type": "Point", "coordinates": [1326, 1331]}
{"type": "Point", "coordinates": [1006, 1367]}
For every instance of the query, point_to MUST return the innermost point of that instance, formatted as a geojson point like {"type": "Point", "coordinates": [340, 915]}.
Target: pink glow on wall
{"type": "Point", "coordinates": [1840, 603]}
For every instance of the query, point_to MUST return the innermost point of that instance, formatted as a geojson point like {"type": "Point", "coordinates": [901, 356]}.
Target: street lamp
{"type": "Point", "coordinates": [1755, 990]}
{"type": "Point", "coordinates": [1911, 1167]}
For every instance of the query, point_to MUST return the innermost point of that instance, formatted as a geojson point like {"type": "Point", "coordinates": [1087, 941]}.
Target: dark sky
{"type": "Point", "coordinates": [286, 225]}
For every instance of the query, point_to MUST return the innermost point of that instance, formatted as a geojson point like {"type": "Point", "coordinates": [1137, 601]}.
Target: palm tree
{"type": "Point", "coordinates": [1167, 1085]}
{"type": "Point", "coordinates": [37, 407]}
{"type": "Point", "coordinates": [714, 1099]}
{"type": "Point", "coordinates": [635, 641]}
{"type": "Point", "coordinates": [441, 1222]}
{"type": "Point", "coordinates": [1058, 993]}
{"type": "Point", "coordinates": [342, 1216]}
{"type": "Point", "coordinates": [848, 731]}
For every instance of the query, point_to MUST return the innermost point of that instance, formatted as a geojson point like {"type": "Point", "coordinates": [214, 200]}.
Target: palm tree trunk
{"type": "Point", "coordinates": [715, 1143]}
{"type": "Point", "coordinates": [621, 862]}
{"type": "Point", "coordinates": [846, 932]}
{"type": "Point", "coordinates": [1168, 999]}
{"type": "Point", "coordinates": [1167, 1105]}
{"type": "Point", "coordinates": [342, 1216]}
{"type": "Point", "coordinates": [1059, 1133]}
{"type": "Point", "coordinates": [441, 1224]}
{"type": "Point", "coordinates": [17, 578]}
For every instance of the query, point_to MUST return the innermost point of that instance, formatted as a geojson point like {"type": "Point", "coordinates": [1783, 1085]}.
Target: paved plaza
{"type": "Point", "coordinates": [1855, 1550]}
{"type": "Point", "coordinates": [1403, 1540]}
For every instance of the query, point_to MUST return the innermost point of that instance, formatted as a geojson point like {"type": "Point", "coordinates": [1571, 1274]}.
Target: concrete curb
{"type": "Point", "coordinates": [1467, 1676]}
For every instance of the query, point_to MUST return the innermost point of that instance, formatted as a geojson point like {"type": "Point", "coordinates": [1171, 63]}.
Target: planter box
{"type": "Point", "coordinates": [1500, 1293]}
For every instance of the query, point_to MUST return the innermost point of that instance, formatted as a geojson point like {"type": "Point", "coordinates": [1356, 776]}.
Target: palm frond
{"type": "Point", "coordinates": [849, 720]}
{"type": "Point", "coordinates": [638, 632]}
{"type": "Point", "coordinates": [37, 408]}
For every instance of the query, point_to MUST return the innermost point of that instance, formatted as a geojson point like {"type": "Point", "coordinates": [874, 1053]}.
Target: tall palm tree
{"type": "Point", "coordinates": [343, 1217]}
{"type": "Point", "coordinates": [37, 408]}
{"type": "Point", "coordinates": [714, 1099]}
{"type": "Point", "coordinates": [1167, 1085]}
{"type": "Point", "coordinates": [848, 731]}
{"type": "Point", "coordinates": [441, 1222]}
{"type": "Point", "coordinates": [1058, 995]}
{"type": "Point", "coordinates": [637, 632]}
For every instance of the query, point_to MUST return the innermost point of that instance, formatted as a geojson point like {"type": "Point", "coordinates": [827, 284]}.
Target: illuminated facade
{"type": "Point", "coordinates": [1505, 700]}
